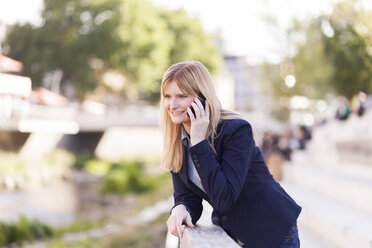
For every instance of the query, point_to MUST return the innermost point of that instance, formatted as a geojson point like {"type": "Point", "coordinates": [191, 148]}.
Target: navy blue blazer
{"type": "Point", "coordinates": [246, 200]}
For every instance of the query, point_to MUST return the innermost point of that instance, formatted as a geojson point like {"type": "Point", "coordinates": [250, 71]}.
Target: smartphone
{"type": "Point", "coordinates": [202, 100]}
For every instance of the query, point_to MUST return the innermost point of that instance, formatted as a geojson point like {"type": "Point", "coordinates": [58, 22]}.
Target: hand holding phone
{"type": "Point", "coordinates": [202, 100]}
{"type": "Point", "coordinates": [200, 123]}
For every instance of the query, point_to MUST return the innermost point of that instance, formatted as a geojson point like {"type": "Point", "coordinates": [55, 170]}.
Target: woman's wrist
{"type": "Point", "coordinates": [179, 206]}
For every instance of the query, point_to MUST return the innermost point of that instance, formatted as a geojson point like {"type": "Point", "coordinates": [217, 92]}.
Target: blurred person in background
{"type": "Point", "coordinates": [284, 149]}
{"type": "Point", "coordinates": [212, 155]}
{"type": "Point", "coordinates": [303, 135]}
{"type": "Point", "coordinates": [358, 103]}
{"type": "Point", "coordinates": [275, 150]}
{"type": "Point", "coordinates": [267, 146]}
{"type": "Point", "coordinates": [344, 109]}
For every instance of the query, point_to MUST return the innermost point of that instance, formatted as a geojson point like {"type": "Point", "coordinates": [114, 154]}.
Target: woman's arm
{"type": "Point", "coordinates": [187, 207]}
{"type": "Point", "coordinates": [223, 181]}
{"type": "Point", "coordinates": [183, 195]}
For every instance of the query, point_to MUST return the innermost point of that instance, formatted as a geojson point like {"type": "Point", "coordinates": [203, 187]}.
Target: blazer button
{"type": "Point", "coordinates": [196, 161]}
{"type": "Point", "coordinates": [194, 156]}
{"type": "Point", "coordinates": [197, 165]}
{"type": "Point", "coordinates": [224, 218]}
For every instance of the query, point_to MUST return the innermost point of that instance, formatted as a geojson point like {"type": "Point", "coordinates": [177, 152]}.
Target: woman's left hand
{"type": "Point", "coordinates": [199, 122]}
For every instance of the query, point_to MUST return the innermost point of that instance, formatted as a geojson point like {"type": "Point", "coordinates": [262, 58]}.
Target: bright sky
{"type": "Point", "coordinates": [249, 27]}
{"type": "Point", "coordinates": [12, 11]}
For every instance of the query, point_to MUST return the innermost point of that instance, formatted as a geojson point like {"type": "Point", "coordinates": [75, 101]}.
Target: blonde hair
{"type": "Point", "coordinates": [193, 78]}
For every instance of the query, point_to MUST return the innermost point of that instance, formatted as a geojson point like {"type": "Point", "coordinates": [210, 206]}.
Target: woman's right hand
{"type": "Point", "coordinates": [179, 216]}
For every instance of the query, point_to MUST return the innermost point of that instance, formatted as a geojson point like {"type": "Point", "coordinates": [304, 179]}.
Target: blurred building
{"type": "Point", "coordinates": [9, 65]}
{"type": "Point", "coordinates": [246, 87]}
{"type": "Point", "coordinates": [237, 85]}
{"type": "Point", "coordinates": [237, 82]}
{"type": "Point", "coordinates": [14, 89]}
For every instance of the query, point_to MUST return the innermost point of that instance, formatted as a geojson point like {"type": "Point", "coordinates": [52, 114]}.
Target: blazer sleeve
{"type": "Point", "coordinates": [183, 195]}
{"type": "Point", "coordinates": [224, 181]}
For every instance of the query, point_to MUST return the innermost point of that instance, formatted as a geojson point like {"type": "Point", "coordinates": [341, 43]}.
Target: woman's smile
{"type": "Point", "coordinates": [177, 112]}
{"type": "Point", "coordinates": [178, 116]}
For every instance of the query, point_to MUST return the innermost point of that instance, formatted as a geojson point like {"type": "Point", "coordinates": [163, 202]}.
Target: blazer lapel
{"type": "Point", "coordinates": [185, 177]}
{"type": "Point", "coordinates": [183, 171]}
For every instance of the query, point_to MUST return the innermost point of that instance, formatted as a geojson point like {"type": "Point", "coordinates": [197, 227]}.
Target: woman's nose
{"type": "Point", "coordinates": [174, 103]}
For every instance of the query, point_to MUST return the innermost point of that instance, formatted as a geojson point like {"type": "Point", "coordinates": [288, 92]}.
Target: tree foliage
{"type": "Point", "coordinates": [312, 69]}
{"type": "Point", "coordinates": [333, 55]}
{"type": "Point", "coordinates": [87, 39]}
{"type": "Point", "coordinates": [348, 47]}
{"type": "Point", "coordinates": [186, 33]}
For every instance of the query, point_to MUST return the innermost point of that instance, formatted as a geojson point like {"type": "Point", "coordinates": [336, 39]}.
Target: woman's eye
{"type": "Point", "coordinates": [183, 96]}
{"type": "Point", "coordinates": [167, 96]}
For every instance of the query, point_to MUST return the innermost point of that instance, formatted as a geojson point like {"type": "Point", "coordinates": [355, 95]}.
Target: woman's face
{"type": "Point", "coordinates": [176, 103]}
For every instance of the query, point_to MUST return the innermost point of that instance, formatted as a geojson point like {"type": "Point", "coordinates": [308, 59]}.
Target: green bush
{"type": "Point", "coordinates": [92, 165]}
{"type": "Point", "coordinates": [80, 161]}
{"type": "Point", "coordinates": [97, 167]}
{"type": "Point", "coordinates": [123, 177]}
{"type": "Point", "coordinates": [119, 178]}
{"type": "Point", "coordinates": [89, 243]}
{"type": "Point", "coordinates": [24, 230]}
{"type": "Point", "coordinates": [78, 226]}
{"type": "Point", "coordinates": [128, 176]}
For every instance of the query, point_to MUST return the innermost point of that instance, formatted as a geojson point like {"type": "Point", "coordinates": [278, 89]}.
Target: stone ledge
{"type": "Point", "coordinates": [206, 237]}
{"type": "Point", "coordinates": [336, 224]}
{"type": "Point", "coordinates": [206, 234]}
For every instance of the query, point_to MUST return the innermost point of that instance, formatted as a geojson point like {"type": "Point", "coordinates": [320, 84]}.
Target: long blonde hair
{"type": "Point", "coordinates": [193, 78]}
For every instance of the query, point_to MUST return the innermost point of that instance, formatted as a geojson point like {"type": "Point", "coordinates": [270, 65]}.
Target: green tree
{"type": "Point", "coordinates": [333, 55]}
{"type": "Point", "coordinates": [312, 69]}
{"type": "Point", "coordinates": [189, 41]}
{"type": "Point", "coordinates": [73, 35]}
{"type": "Point", "coordinates": [308, 65]}
{"type": "Point", "coordinates": [86, 40]}
{"type": "Point", "coordinates": [348, 47]}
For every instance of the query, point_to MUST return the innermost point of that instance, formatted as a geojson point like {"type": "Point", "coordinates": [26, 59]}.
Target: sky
{"type": "Point", "coordinates": [251, 28]}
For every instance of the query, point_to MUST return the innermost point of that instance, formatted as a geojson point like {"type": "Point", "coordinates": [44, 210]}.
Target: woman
{"type": "Point", "coordinates": [212, 155]}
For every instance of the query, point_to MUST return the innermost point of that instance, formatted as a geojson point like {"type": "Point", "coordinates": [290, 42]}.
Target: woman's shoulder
{"type": "Point", "coordinates": [232, 125]}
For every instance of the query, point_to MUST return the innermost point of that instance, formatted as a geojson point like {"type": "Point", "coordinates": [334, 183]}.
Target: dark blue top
{"type": "Point", "coordinates": [246, 200]}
